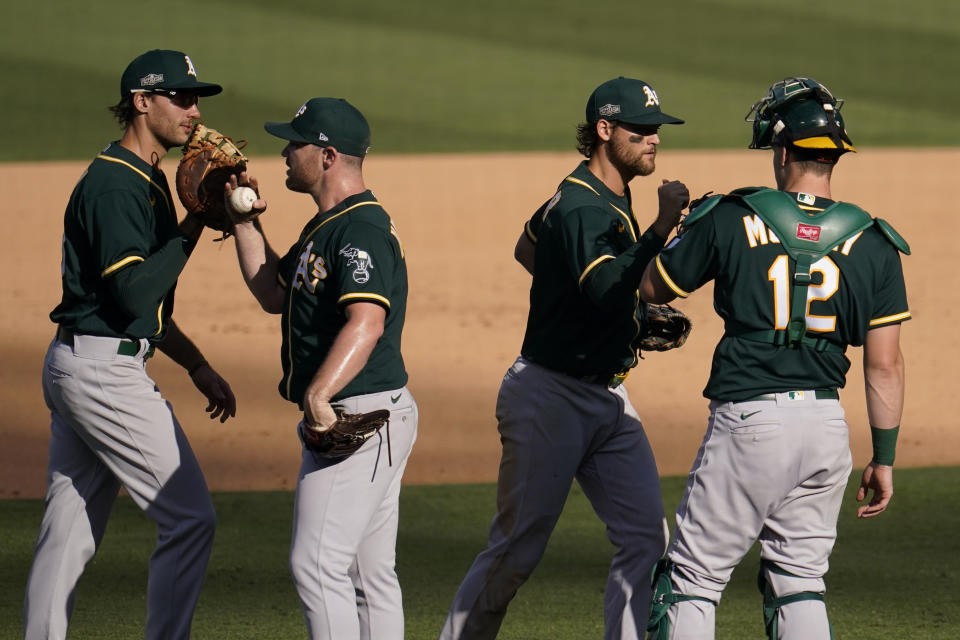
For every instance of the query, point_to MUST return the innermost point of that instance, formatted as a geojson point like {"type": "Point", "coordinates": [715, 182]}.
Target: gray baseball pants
{"type": "Point", "coordinates": [110, 427]}
{"type": "Point", "coordinates": [555, 428]}
{"type": "Point", "coordinates": [343, 553]}
{"type": "Point", "coordinates": [773, 470]}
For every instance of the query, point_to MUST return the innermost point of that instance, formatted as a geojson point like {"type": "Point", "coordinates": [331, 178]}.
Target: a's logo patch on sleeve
{"type": "Point", "coordinates": [361, 262]}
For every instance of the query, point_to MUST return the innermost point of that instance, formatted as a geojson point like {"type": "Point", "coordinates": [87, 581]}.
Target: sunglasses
{"type": "Point", "coordinates": [180, 99]}
{"type": "Point", "coordinates": [639, 129]}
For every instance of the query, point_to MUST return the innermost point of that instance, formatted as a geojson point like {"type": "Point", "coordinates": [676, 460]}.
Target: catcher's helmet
{"type": "Point", "coordinates": [799, 112]}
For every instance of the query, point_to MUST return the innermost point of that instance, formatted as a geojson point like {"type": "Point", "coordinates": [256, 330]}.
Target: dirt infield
{"type": "Point", "coordinates": [459, 217]}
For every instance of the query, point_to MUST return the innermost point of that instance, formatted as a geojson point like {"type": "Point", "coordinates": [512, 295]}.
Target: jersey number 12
{"type": "Point", "coordinates": [779, 274]}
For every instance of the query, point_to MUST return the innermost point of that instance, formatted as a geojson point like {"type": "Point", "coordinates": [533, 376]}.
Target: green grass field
{"type": "Point", "coordinates": [433, 75]}
{"type": "Point", "coordinates": [891, 577]}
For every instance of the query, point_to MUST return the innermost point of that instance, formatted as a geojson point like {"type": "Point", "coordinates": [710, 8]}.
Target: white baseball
{"type": "Point", "coordinates": [242, 199]}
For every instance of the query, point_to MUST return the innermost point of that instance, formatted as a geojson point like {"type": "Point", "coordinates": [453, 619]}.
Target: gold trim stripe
{"type": "Point", "coordinates": [531, 236]}
{"type": "Point", "coordinates": [590, 267]}
{"type": "Point", "coordinates": [668, 281]}
{"type": "Point", "coordinates": [629, 220]}
{"type": "Point", "coordinates": [119, 265]}
{"type": "Point", "coordinates": [142, 175]}
{"type": "Point", "coordinates": [888, 319]}
{"type": "Point", "coordinates": [581, 183]}
{"type": "Point", "coordinates": [364, 296]}
{"type": "Point", "coordinates": [159, 319]}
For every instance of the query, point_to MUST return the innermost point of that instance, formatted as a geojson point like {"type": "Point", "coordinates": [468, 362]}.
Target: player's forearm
{"type": "Point", "coordinates": [179, 348]}
{"type": "Point", "coordinates": [191, 227]}
{"type": "Point", "coordinates": [616, 279]}
{"type": "Point", "coordinates": [884, 383]}
{"type": "Point", "coordinates": [258, 265]}
{"type": "Point", "coordinates": [347, 357]}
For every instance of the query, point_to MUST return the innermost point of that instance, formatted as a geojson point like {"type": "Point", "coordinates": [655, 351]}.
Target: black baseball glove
{"type": "Point", "coordinates": [347, 434]}
{"type": "Point", "coordinates": [666, 328]}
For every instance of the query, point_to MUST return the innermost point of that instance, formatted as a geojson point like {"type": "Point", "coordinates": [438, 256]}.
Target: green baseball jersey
{"type": "Point", "coordinates": [122, 250]}
{"type": "Point", "coordinates": [582, 322]}
{"type": "Point", "coordinates": [857, 286]}
{"type": "Point", "coordinates": [351, 253]}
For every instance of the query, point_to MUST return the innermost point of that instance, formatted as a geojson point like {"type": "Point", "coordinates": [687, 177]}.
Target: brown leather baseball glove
{"type": "Point", "coordinates": [347, 434]}
{"type": "Point", "coordinates": [666, 328]}
{"type": "Point", "coordinates": [209, 159]}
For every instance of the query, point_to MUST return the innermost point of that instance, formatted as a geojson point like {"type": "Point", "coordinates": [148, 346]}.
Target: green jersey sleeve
{"type": "Point", "coordinates": [890, 301]}
{"type": "Point", "coordinates": [585, 237]}
{"type": "Point", "coordinates": [119, 229]}
{"type": "Point", "coordinates": [365, 264]}
{"type": "Point", "coordinates": [690, 260]}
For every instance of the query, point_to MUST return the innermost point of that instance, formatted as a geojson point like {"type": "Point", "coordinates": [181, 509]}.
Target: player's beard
{"type": "Point", "coordinates": [631, 158]}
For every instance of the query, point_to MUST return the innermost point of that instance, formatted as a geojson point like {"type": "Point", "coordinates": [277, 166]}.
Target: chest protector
{"type": "Point", "coordinates": [806, 237]}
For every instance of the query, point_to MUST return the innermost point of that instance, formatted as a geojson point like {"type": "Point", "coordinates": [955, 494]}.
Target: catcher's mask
{"type": "Point", "coordinates": [799, 112]}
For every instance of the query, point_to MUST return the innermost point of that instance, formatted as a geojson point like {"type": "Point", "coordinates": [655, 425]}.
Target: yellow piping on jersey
{"type": "Point", "coordinates": [616, 208]}
{"type": "Point", "coordinates": [668, 281]}
{"type": "Point", "coordinates": [581, 183]}
{"type": "Point", "coordinates": [142, 175]}
{"type": "Point", "coordinates": [159, 319]}
{"type": "Point", "coordinates": [119, 265]}
{"type": "Point", "coordinates": [590, 267]}
{"type": "Point", "coordinates": [888, 319]}
{"type": "Point", "coordinates": [531, 236]}
{"type": "Point", "coordinates": [364, 296]}
{"type": "Point", "coordinates": [290, 303]}
{"type": "Point", "coordinates": [629, 220]}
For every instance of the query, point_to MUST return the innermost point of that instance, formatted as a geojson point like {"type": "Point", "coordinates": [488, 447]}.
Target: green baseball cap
{"type": "Point", "coordinates": [164, 70]}
{"type": "Point", "coordinates": [627, 100]}
{"type": "Point", "coordinates": [327, 122]}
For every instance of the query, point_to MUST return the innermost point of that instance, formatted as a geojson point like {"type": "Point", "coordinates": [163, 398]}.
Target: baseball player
{"type": "Point", "coordinates": [110, 426]}
{"type": "Point", "coordinates": [562, 410]}
{"type": "Point", "coordinates": [798, 277]}
{"type": "Point", "coordinates": [341, 291]}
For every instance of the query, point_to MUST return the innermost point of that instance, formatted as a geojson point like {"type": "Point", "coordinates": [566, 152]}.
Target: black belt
{"type": "Point", "coordinates": [819, 394]}
{"type": "Point", "coordinates": [125, 348]}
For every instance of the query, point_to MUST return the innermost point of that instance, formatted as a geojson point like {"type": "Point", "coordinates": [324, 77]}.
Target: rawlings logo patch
{"type": "Point", "coordinates": [151, 79]}
{"type": "Point", "coordinates": [808, 232]}
{"type": "Point", "coordinates": [609, 109]}
{"type": "Point", "coordinates": [360, 261]}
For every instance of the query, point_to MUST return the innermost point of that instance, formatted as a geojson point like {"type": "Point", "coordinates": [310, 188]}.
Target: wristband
{"type": "Point", "coordinates": [192, 370]}
{"type": "Point", "coordinates": [884, 445]}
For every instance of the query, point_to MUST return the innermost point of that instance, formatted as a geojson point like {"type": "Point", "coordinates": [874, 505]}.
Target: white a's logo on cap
{"type": "Point", "coordinates": [301, 110]}
{"type": "Point", "coordinates": [652, 99]}
{"type": "Point", "coordinates": [190, 70]}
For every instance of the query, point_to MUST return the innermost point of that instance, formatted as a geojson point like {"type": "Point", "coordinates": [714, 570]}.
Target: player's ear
{"type": "Point", "coordinates": [328, 156]}
{"type": "Point", "coordinates": [605, 129]}
{"type": "Point", "coordinates": [140, 101]}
